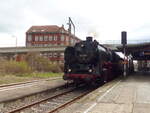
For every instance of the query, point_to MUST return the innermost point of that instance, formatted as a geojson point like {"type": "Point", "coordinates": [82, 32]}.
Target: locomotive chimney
{"type": "Point", "coordinates": [89, 39]}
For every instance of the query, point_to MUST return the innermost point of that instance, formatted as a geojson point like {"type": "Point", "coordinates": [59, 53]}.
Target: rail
{"type": "Point", "coordinates": [54, 103]}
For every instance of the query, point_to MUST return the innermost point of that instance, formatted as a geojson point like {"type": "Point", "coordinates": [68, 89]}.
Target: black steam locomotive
{"type": "Point", "coordinates": [88, 61]}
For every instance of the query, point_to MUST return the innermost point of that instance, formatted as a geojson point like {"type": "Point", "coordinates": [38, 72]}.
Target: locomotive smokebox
{"type": "Point", "coordinates": [89, 39]}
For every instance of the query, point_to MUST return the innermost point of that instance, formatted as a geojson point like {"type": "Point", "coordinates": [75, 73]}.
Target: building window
{"type": "Point", "coordinates": [50, 54]}
{"type": "Point", "coordinates": [40, 45]}
{"type": "Point", "coordinates": [35, 45]}
{"type": "Point", "coordinates": [45, 38]}
{"type": "Point", "coordinates": [75, 41]}
{"type": "Point", "coordinates": [41, 38]}
{"type": "Point", "coordinates": [36, 38]}
{"type": "Point", "coordinates": [29, 37]}
{"type": "Point", "coordinates": [62, 38]}
{"type": "Point", "coordinates": [61, 44]}
{"type": "Point", "coordinates": [45, 45]}
{"type": "Point", "coordinates": [50, 38]}
{"type": "Point", "coordinates": [54, 54]}
{"type": "Point", "coordinates": [62, 55]}
{"type": "Point", "coordinates": [62, 31]}
{"type": "Point", "coordinates": [29, 44]}
{"type": "Point", "coordinates": [72, 41]}
{"type": "Point", "coordinates": [55, 44]}
{"type": "Point", "coordinates": [55, 38]}
{"type": "Point", "coordinates": [45, 54]}
{"type": "Point", "coordinates": [67, 39]}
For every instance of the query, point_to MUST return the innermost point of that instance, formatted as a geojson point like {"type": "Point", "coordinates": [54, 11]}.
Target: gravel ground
{"type": "Point", "coordinates": [7, 106]}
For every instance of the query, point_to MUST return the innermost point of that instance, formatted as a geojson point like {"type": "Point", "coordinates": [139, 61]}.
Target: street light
{"type": "Point", "coordinates": [15, 38]}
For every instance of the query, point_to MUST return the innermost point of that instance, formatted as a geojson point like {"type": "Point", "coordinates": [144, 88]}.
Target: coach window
{"type": "Point", "coordinates": [29, 37]}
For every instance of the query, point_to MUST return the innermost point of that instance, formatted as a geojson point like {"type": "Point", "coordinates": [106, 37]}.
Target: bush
{"type": "Point", "coordinates": [13, 67]}
{"type": "Point", "coordinates": [54, 68]}
{"type": "Point", "coordinates": [42, 64]}
{"type": "Point", "coordinates": [34, 62]}
{"type": "Point", "coordinates": [61, 67]}
{"type": "Point", "coordinates": [2, 66]}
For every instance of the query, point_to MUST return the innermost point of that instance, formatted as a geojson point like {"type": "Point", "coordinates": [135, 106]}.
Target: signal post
{"type": "Point", "coordinates": [124, 43]}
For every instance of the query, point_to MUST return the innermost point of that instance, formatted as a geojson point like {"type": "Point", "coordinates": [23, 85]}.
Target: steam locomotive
{"type": "Point", "coordinates": [88, 61]}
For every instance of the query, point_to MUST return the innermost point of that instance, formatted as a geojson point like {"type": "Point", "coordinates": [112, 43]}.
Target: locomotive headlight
{"type": "Point", "coordinates": [69, 70]}
{"type": "Point", "coordinates": [82, 45]}
{"type": "Point", "coordinates": [90, 70]}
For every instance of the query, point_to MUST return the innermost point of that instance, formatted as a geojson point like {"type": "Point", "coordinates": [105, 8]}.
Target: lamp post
{"type": "Point", "coordinates": [16, 39]}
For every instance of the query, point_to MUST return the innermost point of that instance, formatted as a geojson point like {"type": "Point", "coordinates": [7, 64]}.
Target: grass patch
{"type": "Point", "coordinates": [7, 79]}
{"type": "Point", "coordinates": [10, 78]}
{"type": "Point", "coordinates": [43, 75]}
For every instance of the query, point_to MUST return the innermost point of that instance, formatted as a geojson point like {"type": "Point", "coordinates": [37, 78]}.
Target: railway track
{"type": "Point", "coordinates": [54, 103]}
{"type": "Point", "coordinates": [28, 82]}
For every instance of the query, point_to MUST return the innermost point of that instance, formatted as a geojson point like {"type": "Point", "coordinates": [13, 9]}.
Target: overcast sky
{"type": "Point", "coordinates": [105, 19]}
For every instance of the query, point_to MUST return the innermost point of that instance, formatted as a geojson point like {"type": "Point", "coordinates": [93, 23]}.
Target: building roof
{"type": "Point", "coordinates": [135, 47]}
{"type": "Point", "coordinates": [138, 51]}
{"type": "Point", "coordinates": [46, 28]}
{"type": "Point", "coordinates": [7, 50]}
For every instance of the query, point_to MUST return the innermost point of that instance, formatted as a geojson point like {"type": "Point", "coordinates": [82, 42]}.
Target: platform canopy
{"type": "Point", "coordinates": [138, 51]}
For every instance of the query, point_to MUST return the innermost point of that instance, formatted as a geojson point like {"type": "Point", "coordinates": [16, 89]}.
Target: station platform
{"type": "Point", "coordinates": [18, 91]}
{"type": "Point", "coordinates": [129, 95]}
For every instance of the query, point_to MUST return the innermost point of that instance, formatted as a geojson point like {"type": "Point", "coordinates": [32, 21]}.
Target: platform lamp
{"type": "Point", "coordinates": [124, 43]}
{"type": "Point", "coordinates": [13, 36]}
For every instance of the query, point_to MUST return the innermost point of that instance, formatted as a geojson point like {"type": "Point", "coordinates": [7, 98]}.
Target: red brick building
{"type": "Point", "coordinates": [44, 36]}
{"type": "Point", "coordinates": [48, 36]}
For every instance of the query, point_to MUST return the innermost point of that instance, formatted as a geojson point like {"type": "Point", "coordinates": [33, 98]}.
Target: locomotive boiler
{"type": "Point", "coordinates": [88, 61]}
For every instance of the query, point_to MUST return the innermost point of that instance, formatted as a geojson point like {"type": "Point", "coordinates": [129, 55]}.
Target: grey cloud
{"type": "Point", "coordinates": [11, 15]}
